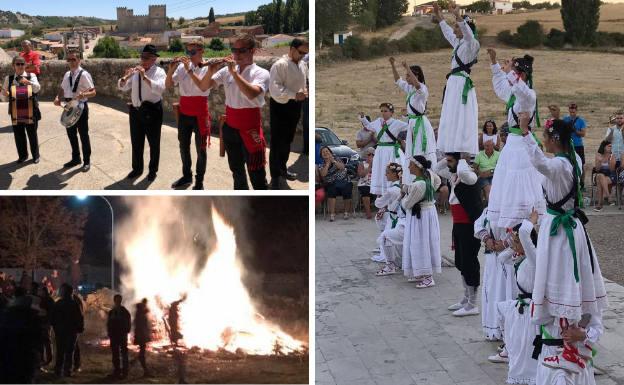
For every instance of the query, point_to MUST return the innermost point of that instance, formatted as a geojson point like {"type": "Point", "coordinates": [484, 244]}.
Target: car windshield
{"type": "Point", "coordinates": [328, 138]}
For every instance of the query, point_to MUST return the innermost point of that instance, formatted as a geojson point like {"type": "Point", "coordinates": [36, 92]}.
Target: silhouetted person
{"type": "Point", "coordinates": [67, 321]}
{"type": "Point", "coordinates": [77, 359]}
{"type": "Point", "coordinates": [142, 332]}
{"type": "Point", "coordinates": [47, 306]}
{"type": "Point", "coordinates": [174, 321]}
{"type": "Point", "coordinates": [25, 281]}
{"type": "Point", "coordinates": [118, 326]}
{"type": "Point", "coordinates": [20, 328]}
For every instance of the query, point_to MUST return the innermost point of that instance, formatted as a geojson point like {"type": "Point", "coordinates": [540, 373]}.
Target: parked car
{"type": "Point", "coordinates": [340, 148]}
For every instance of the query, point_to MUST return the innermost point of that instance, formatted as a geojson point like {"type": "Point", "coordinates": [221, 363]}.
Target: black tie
{"type": "Point", "coordinates": [140, 81]}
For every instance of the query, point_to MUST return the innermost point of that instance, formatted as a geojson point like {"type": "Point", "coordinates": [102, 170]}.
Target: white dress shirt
{"type": "Point", "coordinates": [464, 175]}
{"type": "Point", "coordinates": [234, 98]}
{"type": "Point", "coordinates": [85, 83]}
{"type": "Point", "coordinates": [187, 86]}
{"type": "Point", "coordinates": [286, 79]}
{"type": "Point", "coordinates": [152, 93]}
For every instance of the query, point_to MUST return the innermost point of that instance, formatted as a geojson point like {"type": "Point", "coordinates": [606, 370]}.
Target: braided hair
{"type": "Point", "coordinates": [561, 131]}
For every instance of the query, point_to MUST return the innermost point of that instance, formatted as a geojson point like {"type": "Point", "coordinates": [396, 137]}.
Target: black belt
{"type": "Point", "coordinates": [70, 99]}
{"type": "Point", "coordinates": [539, 342]}
{"type": "Point", "coordinates": [145, 103]}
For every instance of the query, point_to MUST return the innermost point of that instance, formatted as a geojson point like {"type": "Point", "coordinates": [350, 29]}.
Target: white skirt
{"type": "Point", "coordinates": [384, 155]}
{"type": "Point", "coordinates": [421, 246]}
{"type": "Point", "coordinates": [516, 187]}
{"type": "Point", "coordinates": [430, 150]}
{"type": "Point", "coordinates": [548, 376]}
{"type": "Point", "coordinates": [458, 130]}
{"type": "Point", "coordinates": [556, 292]}
{"type": "Point", "coordinates": [519, 334]}
{"type": "Point", "coordinates": [493, 290]}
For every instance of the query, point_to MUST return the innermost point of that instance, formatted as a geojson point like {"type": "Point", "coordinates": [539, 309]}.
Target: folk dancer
{"type": "Point", "coordinates": [287, 85]}
{"type": "Point", "coordinates": [460, 111]}
{"type": "Point", "coordinates": [465, 202]}
{"type": "Point", "coordinates": [420, 139]}
{"type": "Point", "coordinates": [193, 115]}
{"type": "Point", "coordinates": [147, 84]}
{"type": "Point", "coordinates": [391, 221]}
{"type": "Point", "coordinates": [569, 294]}
{"type": "Point", "coordinates": [22, 130]}
{"type": "Point", "coordinates": [77, 84]}
{"type": "Point", "coordinates": [387, 130]}
{"type": "Point", "coordinates": [421, 244]}
{"type": "Point", "coordinates": [245, 85]}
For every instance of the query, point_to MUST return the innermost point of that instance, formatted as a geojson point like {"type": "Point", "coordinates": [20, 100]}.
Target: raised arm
{"type": "Point", "coordinates": [523, 92]}
{"type": "Point", "coordinates": [465, 173]}
{"type": "Point", "coordinates": [549, 167]}
{"type": "Point", "coordinates": [365, 123]}
{"type": "Point", "coordinates": [441, 168]}
{"type": "Point", "coordinates": [448, 33]}
{"type": "Point", "coordinates": [501, 85]}
{"type": "Point", "coordinates": [395, 73]}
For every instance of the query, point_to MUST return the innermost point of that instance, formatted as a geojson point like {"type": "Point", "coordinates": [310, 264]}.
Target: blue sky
{"type": "Point", "coordinates": [107, 9]}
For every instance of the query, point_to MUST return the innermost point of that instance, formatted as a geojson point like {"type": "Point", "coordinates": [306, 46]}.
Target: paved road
{"type": "Point", "coordinates": [381, 330]}
{"type": "Point", "coordinates": [111, 156]}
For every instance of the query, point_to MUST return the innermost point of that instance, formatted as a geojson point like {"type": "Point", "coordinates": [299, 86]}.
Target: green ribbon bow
{"type": "Point", "coordinates": [394, 219]}
{"type": "Point", "coordinates": [468, 85]}
{"type": "Point", "coordinates": [566, 220]}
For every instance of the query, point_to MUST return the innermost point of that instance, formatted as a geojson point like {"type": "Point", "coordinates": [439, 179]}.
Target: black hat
{"type": "Point", "coordinates": [524, 64]}
{"type": "Point", "coordinates": [151, 49]}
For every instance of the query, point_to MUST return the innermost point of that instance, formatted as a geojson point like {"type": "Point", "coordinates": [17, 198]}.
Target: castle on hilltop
{"type": "Point", "coordinates": [154, 21]}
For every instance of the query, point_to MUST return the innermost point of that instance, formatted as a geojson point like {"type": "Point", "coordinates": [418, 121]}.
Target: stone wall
{"type": "Point", "coordinates": [106, 72]}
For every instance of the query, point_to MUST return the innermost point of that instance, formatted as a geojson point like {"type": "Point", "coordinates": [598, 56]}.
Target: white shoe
{"type": "Point", "coordinates": [387, 270]}
{"type": "Point", "coordinates": [498, 359]}
{"type": "Point", "coordinates": [425, 283]}
{"type": "Point", "coordinates": [465, 312]}
{"type": "Point", "coordinates": [378, 258]}
{"type": "Point", "coordinates": [457, 306]}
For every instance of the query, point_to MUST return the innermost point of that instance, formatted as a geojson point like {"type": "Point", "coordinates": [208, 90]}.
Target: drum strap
{"type": "Point", "coordinates": [74, 87]}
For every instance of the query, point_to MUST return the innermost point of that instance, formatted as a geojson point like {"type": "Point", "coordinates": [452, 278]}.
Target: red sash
{"type": "Point", "coordinates": [198, 106]}
{"type": "Point", "coordinates": [459, 214]}
{"type": "Point", "coordinates": [248, 122]}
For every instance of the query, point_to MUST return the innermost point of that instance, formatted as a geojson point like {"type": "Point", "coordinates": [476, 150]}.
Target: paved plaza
{"type": "Point", "coordinates": [382, 330]}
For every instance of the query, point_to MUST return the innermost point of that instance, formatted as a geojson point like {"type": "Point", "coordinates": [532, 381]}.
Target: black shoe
{"type": "Point", "coordinates": [275, 185]}
{"type": "Point", "coordinates": [198, 186]}
{"type": "Point", "coordinates": [86, 167]}
{"type": "Point", "coordinates": [151, 176]}
{"type": "Point", "coordinates": [36, 160]}
{"type": "Point", "coordinates": [72, 163]}
{"type": "Point", "coordinates": [134, 174]}
{"type": "Point", "coordinates": [21, 160]}
{"type": "Point", "coordinates": [290, 175]}
{"type": "Point", "coordinates": [182, 182]}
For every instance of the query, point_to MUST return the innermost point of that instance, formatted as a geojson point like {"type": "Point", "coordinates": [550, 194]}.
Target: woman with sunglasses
{"type": "Point", "coordinates": [386, 130]}
{"type": "Point", "coordinates": [22, 130]}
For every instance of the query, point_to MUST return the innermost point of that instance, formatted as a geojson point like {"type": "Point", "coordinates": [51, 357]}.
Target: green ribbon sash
{"type": "Point", "coordinates": [384, 128]}
{"type": "Point", "coordinates": [418, 124]}
{"type": "Point", "coordinates": [518, 131]}
{"type": "Point", "coordinates": [510, 103]}
{"type": "Point", "coordinates": [396, 145]}
{"type": "Point", "coordinates": [428, 187]}
{"type": "Point", "coordinates": [468, 85]}
{"type": "Point", "coordinates": [565, 220]}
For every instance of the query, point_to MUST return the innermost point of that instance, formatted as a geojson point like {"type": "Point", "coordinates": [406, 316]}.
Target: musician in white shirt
{"type": "Point", "coordinates": [77, 84]}
{"type": "Point", "coordinates": [147, 84]}
{"type": "Point", "coordinates": [21, 130]}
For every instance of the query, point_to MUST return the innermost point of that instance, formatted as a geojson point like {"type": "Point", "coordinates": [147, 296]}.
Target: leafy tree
{"type": "Point", "coordinates": [107, 47]}
{"type": "Point", "coordinates": [390, 11]}
{"type": "Point", "coordinates": [331, 16]}
{"type": "Point", "coordinates": [176, 46]}
{"type": "Point", "coordinates": [216, 44]}
{"type": "Point", "coordinates": [521, 4]}
{"type": "Point", "coordinates": [277, 16]}
{"type": "Point", "coordinates": [287, 18]}
{"type": "Point", "coordinates": [580, 20]}
{"type": "Point", "coordinates": [211, 16]}
{"type": "Point", "coordinates": [251, 18]}
{"type": "Point", "coordinates": [181, 20]}
{"type": "Point", "coordinates": [301, 20]}
{"type": "Point", "coordinates": [481, 6]}
{"type": "Point", "coordinates": [530, 34]}
{"type": "Point", "coordinates": [40, 231]}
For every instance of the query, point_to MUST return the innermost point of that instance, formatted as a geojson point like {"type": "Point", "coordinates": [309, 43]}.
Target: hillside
{"type": "Point", "coordinates": [18, 19]}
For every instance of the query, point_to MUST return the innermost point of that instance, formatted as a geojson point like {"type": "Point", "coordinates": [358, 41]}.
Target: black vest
{"type": "Point", "coordinates": [469, 197]}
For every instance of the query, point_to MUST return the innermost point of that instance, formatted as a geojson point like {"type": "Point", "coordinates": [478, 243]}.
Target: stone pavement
{"type": "Point", "coordinates": [111, 155]}
{"type": "Point", "coordinates": [382, 330]}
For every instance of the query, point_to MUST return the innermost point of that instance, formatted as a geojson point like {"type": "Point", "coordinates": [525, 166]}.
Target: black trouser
{"type": "Point", "coordinates": [187, 125]}
{"type": "Point", "coordinates": [46, 346]}
{"type": "Point", "coordinates": [466, 252]}
{"type": "Point", "coordinates": [20, 132]}
{"type": "Point", "coordinates": [142, 356]}
{"type": "Point", "coordinates": [306, 125]}
{"type": "Point", "coordinates": [284, 119]}
{"type": "Point", "coordinates": [82, 128]}
{"type": "Point", "coordinates": [119, 344]}
{"type": "Point", "coordinates": [146, 121]}
{"type": "Point", "coordinates": [77, 358]}
{"type": "Point", "coordinates": [237, 155]}
{"type": "Point", "coordinates": [65, 344]}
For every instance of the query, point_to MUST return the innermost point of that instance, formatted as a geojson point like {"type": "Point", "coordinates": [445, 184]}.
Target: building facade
{"type": "Point", "coordinates": [154, 21]}
{"type": "Point", "coordinates": [11, 33]}
{"type": "Point", "coordinates": [500, 7]}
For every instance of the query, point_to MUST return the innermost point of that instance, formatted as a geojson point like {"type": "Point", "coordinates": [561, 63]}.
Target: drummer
{"type": "Point", "coordinates": [21, 130]}
{"type": "Point", "coordinates": [77, 84]}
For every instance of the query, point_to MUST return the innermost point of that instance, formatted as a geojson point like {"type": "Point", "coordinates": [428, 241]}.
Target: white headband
{"type": "Point", "coordinates": [417, 163]}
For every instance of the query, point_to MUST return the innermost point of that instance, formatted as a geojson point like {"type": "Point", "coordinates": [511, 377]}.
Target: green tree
{"type": "Point", "coordinates": [288, 16]}
{"type": "Point", "coordinates": [107, 47]}
{"type": "Point", "coordinates": [277, 16]}
{"type": "Point", "coordinates": [331, 16]}
{"type": "Point", "coordinates": [580, 20]}
{"type": "Point", "coordinates": [251, 18]}
{"type": "Point", "coordinates": [176, 46]}
{"type": "Point", "coordinates": [521, 4]}
{"type": "Point", "coordinates": [530, 34]}
{"type": "Point", "coordinates": [211, 16]}
{"type": "Point", "coordinates": [390, 11]}
{"type": "Point", "coordinates": [37, 31]}
{"type": "Point", "coordinates": [301, 18]}
{"type": "Point", "coordinates": [216, 44]}
{"type": "Point", "coordinates": [481, 6]}
{"type": "Point", "coordinates": [181, 20]}
{"type": "Point", "coordinates": [265, 15]}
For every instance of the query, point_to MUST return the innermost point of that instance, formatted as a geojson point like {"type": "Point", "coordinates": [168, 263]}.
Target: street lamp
{"type": "Point", "coordinates": [83, 198]}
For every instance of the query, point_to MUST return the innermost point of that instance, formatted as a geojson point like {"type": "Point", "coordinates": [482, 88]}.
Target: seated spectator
{"type": "Point", "coordinates": [365, 139]}
{"type": "Point", "coordinates": [490, 132]}
{"type": "Point", "coordinates": [605, 174]}
{"type": "Point", "coordinates": [365, 170]}
{"type": "Point", "coordinates": [615, 135]}
{"type": "Point", "coordinates": [334, 178]}
{"type": "Point", "coordinates": [504, 132]}
{"type": "Point", "coordinates": [484, 165]}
